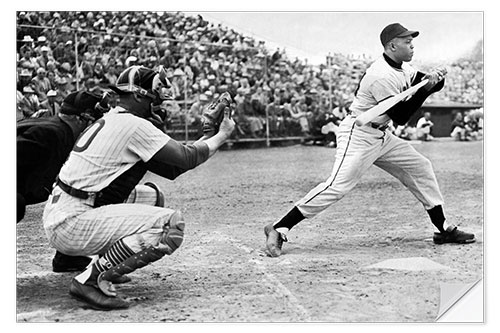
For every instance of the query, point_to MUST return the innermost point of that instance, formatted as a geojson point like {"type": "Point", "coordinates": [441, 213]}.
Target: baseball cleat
{"type": "Point", "coordinates": [274, 240]}
{"type": "Point", "coordinates": [64, 263]}
{"type": "Point", "coordinates": [121, 279]}
{"type": "Point", "coordinates": [95, 298]}
{"type": "Point", "coordinates": [453, 235]}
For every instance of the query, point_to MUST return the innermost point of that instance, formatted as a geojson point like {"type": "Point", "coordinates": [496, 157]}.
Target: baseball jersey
{"type": "Point", "coordinates": [110, 147]}
{"type": "Point", "coordinates": [380, 82]}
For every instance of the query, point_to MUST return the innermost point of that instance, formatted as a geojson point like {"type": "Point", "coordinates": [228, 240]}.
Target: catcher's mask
{"type": "Point", "coordinates": [146, 82]}
{"type": "Point", "coordinates": [87, 105]}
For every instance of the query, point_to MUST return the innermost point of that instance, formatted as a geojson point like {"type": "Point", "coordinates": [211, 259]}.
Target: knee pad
{"type": "Point", "coordinates": [160, 198]}
{"type": "Point", "coordinates": [174, 233]}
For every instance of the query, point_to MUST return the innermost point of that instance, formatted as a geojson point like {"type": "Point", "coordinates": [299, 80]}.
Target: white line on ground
{"type": "Point", "coordinates": [34, 274]}
{"type": "Point", "coordinates": [282, 291]}
{"type": "Point", "coordinates": [39, 315]}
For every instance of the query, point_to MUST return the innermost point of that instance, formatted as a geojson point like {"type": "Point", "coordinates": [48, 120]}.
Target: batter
{"type": "Point", "coordinates": [361, 146]}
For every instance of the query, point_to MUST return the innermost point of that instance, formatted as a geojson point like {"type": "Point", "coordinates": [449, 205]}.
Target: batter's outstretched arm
{"type": "Point", "coordinates": [402, 112]}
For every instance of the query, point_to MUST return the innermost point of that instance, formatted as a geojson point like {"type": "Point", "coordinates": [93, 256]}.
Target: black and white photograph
{"type": "Point", "coordinates": [200, 166]}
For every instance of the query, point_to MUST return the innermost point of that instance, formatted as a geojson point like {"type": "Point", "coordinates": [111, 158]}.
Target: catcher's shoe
{"type": "Point", "coordinates": [121, 279]}
{"type": "Point", "coordinates": [95, 298]}
{"type": "Point", "coordinates": [453, 235]}
{"type": "Point", "coordinates": [274, 240]}
{"type": "Point", "coordinates": [64, 263]}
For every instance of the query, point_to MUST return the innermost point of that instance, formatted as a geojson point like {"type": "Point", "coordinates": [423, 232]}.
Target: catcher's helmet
{"type": "Point", "coordinates": [144, 81]}
{"type": "Point", "coordinates": [86, 104]}
{"type": "Point", "coordinates": [147, 83]}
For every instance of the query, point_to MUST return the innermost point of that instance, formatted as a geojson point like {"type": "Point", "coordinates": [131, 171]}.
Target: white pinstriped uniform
{"type": "Point", "coordinates": [361, 146]}
{"type": "Point", "coordinates": [72, 225]}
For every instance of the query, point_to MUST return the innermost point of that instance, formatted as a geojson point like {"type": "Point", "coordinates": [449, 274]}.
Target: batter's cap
{"type": "Point", "coordinates": [395, 30]}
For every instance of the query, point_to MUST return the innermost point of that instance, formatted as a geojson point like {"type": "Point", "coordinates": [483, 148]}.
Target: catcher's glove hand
{"type": "Point", "coordinates": [213, 115]}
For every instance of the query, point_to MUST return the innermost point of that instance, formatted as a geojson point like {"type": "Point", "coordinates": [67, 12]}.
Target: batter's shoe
{"type": "Point", "coordinates": [274, 240]}
{"type": "Point", "coordinates": [64, 263]}
{"type": "Point", "coordinates": [453, 235]}
{"type": "Point", "coordinates": [95, 298]}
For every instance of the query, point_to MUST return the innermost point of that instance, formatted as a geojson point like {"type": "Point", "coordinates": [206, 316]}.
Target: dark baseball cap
{"type": "Point", "coordinates": [395, 30]}
{"type": "Point", "coordinates": [80, 102]}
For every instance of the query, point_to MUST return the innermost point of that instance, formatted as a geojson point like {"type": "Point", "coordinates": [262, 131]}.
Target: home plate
{"type": "Point", "coordinates": [409, 264]}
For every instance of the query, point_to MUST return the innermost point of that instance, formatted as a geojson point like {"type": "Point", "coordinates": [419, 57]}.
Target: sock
{"type": "Point", "coordinates": [117, 253]}
{"type": "Point", "coordinates": [288, 221]}
{"type": "Point", "coordinates": [437, 218]}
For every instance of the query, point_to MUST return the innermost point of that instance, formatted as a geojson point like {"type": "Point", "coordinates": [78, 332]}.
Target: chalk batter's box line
{"type": "Point", "coordinates": [282, 291]}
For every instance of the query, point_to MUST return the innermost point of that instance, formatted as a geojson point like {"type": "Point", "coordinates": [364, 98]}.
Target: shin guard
{"type": "Point", "coordinates": [136, 261]}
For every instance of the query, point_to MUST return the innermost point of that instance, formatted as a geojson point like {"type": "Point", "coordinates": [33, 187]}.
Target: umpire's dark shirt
{"type": "Point", "coordinates": [43, 145]}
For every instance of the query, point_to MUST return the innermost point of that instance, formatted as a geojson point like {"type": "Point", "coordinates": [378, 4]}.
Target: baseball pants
{"type": "Point", "coordinates": [74, 227]}
{"type": "Point", "coordinates": [359, 147]}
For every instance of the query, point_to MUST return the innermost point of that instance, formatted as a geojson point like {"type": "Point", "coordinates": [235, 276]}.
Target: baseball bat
{"type": "Point", "coordinates": [385, 105]}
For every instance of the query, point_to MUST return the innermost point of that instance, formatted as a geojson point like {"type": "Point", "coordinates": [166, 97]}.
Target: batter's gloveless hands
{"type": "Point", "coordinates": [435, 76]}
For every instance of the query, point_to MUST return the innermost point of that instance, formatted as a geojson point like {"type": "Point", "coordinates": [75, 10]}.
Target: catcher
{"type": "Point", "coordinates": [98, 207]}
{"type": "Point", "coordinates": [43, 144]}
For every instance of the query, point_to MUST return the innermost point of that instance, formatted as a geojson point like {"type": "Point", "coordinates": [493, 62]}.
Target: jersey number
{"type": "Point", "coordinates": [88, 135]}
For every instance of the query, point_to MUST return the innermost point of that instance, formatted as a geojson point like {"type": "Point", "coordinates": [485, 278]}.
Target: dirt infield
{"type": "Point", "coordinates": [221, 273]}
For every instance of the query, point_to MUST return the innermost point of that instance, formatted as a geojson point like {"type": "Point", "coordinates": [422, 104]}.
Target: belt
{"type": "Point", "coordinates": [381, 127]}
{"type": "Point", "coordinates": [75, 192]}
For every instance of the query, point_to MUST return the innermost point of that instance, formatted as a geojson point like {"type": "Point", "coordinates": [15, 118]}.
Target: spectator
{"type": "Point", "coordinates": [59, 53]}
{"type": "Point", "coordinates": [424, 127]}
{"type": "Point", "coordinates": [41, 84]}
{"type": "Point", "coordinates": [62, 89]}
{"type": "Point", "coordinates": [29, 103]}
{"type": "Point", "coordinates": [51, 104]}
{"type": "Point", "coordinates": [298, 112]}
{"type": "Point", "coordinates": [44, 57]}
{"type": "Point", "coordinates": [110, 76]}
{"type": "Point", "coordinates": [248, 117]}
{"type": "Point", "coordinates": [28, 61]}
{"type": "Point", "coordinates": [196, 111]}
{"type": "Point", "coordinates": [276, 118]}
{"type": "Point", "coordinates": [24, 80]}
{"type": "Point", "coordinates": [19, 111]}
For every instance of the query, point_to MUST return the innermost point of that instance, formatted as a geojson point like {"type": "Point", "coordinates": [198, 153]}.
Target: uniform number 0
{"type": "Point", "coordinates": [88, 135]}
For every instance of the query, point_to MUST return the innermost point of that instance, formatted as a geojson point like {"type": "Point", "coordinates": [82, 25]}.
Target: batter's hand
{"type": "Point", "coordinates": [435, 76]}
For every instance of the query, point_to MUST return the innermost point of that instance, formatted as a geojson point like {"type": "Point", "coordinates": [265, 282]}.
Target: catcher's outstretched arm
{"type": "Point", "coordinates": [180, 155]}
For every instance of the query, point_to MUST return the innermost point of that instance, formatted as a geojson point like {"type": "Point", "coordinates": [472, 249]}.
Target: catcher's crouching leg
{"type": "Point", "coordinates": [170, 241]}
{"type": "Point", "coordinates": [147, 194]}
{"type": "Point", "coordinates": [160, 198]}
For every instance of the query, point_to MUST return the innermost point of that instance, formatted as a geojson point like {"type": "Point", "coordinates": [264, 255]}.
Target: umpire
{"type": "Point", "coordinates": [43, 145]}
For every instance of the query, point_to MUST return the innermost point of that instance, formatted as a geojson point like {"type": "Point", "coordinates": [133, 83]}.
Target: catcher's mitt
{"type": "Point", "coordinates": [214, 113]}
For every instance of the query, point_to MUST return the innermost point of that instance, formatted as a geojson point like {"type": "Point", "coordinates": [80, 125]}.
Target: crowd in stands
{"type": "Point", "coordinates": [59, 52]}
